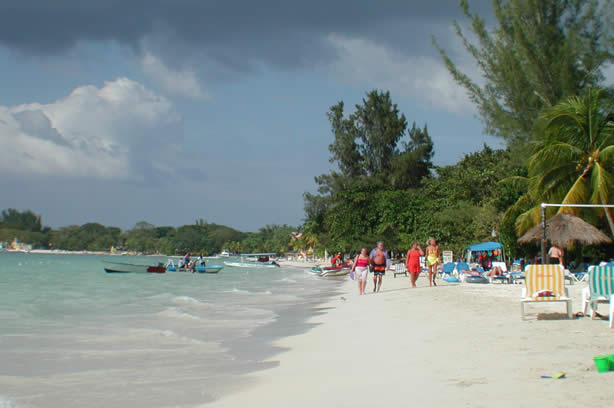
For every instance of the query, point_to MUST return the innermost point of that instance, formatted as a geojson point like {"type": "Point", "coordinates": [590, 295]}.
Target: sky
{"type": "Point", "coordinates": [172, 111]}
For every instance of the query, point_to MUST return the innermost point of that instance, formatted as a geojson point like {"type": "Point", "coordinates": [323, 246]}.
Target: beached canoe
{"type": "Point", "coordinates": [122, 267]}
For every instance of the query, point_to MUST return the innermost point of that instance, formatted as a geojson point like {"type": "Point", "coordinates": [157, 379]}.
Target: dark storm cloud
{"type": "Point", "coordinates": [233, 33]}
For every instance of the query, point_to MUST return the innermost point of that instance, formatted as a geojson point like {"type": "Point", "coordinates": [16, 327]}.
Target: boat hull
{"type": "Point", "coordinates": [334, 273]}
{"type": "Point", "coordinates": [209, 268]}
{"type": "Point", "coordinates": [251, 265]}
{"type": "Point", "coordinates": [328, 272]}
{"type": "Point", "coordinates": [121, 267]}
{"type": "Point", "coordinates": [198, 268]}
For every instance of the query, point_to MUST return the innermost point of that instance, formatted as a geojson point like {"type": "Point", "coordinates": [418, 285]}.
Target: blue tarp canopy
{"type": "Point", "coordinates": [485, 246]}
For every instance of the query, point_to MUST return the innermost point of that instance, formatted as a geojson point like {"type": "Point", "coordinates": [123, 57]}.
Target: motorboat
{"type": "Point", "coordinates": [248, 264]}
{"type": "Point", "coordinates": [259, 260]}
{"type": "Point", "coordinates": [208, 268]}
{"type": "Point", "coordinates": [123, 267]}
{"type": "Point", "coordinates": [200, 268]}
{"type": "Point", "coordinates": [330, 271]}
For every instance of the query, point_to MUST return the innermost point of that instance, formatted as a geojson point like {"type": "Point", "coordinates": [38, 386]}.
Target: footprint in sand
{"type": "Point", "coordinates": [469, 382]}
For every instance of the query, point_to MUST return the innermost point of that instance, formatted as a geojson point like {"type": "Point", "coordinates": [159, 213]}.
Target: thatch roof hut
{"type": "Point", "coordinates": [564, 229]}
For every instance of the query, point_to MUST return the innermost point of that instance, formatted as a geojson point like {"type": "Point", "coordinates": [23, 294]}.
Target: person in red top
{"type": "Point", "coordinates": [413, 262]}
{"type": "Point", "coordinates": [361, 266]}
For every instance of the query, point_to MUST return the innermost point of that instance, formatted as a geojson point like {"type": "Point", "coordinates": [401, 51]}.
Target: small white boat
{"type": "Point", "coordinates": [261, 260]}
{"type": "Point", "coordinates": [247, 264]}
{"type": "Point", "coordinates": [122, 267]}
{"type": "Point", "coordinates": [225, 253]}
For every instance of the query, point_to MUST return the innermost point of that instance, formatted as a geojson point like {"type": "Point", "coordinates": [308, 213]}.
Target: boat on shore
{"type": "Point", "coordinates": [329, 271]}
{"type": "Point", "coordinates": [123, 267]}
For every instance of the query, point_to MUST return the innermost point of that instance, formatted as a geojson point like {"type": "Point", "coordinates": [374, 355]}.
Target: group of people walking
{"type": "Point", "coordinates": [379, 260]}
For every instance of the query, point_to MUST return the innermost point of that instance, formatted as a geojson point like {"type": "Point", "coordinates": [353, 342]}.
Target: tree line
{"type": "Point", "coordinates": [200, 237]}
{"type": "Point", "coordinates": [542, 92]}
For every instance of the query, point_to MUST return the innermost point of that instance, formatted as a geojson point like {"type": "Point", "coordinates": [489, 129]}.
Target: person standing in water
{"type": "Point", "coordinates": [361, 266]}
{"type": "Point", "coordinates": [432, 260]}
{"type": "Point", "coordinates": [413, 262]}
{"type": "Point", "coordinates": [380, 261]}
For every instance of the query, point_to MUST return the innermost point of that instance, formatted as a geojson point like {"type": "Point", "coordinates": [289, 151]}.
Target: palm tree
{"type": "Point", "coordinates": [574, 162]}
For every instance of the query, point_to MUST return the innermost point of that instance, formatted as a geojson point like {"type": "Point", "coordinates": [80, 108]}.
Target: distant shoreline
{"type": "Point", "coordinates": [282, 262]}
{"type": "Point", "coordinates": [69, 252]}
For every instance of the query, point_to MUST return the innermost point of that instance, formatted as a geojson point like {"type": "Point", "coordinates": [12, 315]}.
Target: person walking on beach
{"type": "Point", "coordinates": [413, 262]}
{"type": "Point", "coordinates": [432, 260]}
{"type": "Point", "coordinates": [556, 255]}
{"type": "Point", "coordinates": [361, 266]}
{"type": "Point", "coordinates": [380, 260]}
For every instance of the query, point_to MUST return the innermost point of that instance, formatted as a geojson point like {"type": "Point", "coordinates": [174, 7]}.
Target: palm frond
{"type": "Point", "coordinates": [527, 220]}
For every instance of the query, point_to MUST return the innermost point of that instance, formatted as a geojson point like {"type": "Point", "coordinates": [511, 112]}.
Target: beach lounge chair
{"type": "Point", "coordinates": [544, 283]}
{"type": "Point", "coordinates": [460, 267]}
{"type": "Point", "coordinates": [600, 290]}
{"type": "Point", "coordinates": [400, 269]}
{"type": "Point", "coordinates": [447, 269]}
{"type": "Point", "coordinates": [499, 278]}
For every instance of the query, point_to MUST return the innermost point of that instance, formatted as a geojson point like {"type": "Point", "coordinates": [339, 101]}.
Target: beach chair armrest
{"type": "Point", "coordinates": [586, 299]}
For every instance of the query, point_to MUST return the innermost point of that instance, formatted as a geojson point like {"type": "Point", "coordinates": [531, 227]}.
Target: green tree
{"type": "Point", "coordinates": [540, 52]}
{"type": "Point", "coordinates": [368, 146]}
{"type": "Point", "coordinates": [574, 163]}
{"type": "Point", "coordinates": [26, 220]}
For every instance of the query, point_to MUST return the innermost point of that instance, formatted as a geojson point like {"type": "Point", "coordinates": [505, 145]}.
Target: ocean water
{"type": "Point", "coordinates": [72, 335]}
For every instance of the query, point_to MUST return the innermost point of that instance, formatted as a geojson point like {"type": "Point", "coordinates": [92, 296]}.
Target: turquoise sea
{"type": "Point", "coordinates": [72, 335]}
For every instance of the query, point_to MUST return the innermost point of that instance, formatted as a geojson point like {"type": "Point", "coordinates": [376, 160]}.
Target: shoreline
{"type": "Point", "coordinates": [452, 344]}
{"type": "Point", "coordinates": [282, 262]}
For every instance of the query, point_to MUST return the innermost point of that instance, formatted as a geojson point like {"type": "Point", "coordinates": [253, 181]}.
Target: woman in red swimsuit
{"type": "Point", "coordinates": [361, 266]}
{"type": "Point", "coordinates": [413, 262]}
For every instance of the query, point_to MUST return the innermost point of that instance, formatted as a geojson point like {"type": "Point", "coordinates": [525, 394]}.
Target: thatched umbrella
{"type": "Point", "coordinates": [564, 229]}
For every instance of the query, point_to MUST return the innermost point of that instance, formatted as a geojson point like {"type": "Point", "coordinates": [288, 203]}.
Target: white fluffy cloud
{"type": "Point", "coordinates": [113, 132]}
{"type": "Point", "coordinates": [184, 82]}
{"type": "Point", "coordinates": [417, 77]}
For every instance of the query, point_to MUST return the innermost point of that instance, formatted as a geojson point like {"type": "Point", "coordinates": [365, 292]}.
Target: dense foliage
{"type": "Point", "coordinates": [458, 205]}
{"type": "Point", "coordinates": [574, 163]}
{"type": "Point", "coordinates": [540, 52]}
{"type": "Point", "coordinates": [200, 237]}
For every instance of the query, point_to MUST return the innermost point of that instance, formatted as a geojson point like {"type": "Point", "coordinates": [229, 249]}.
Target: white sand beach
{"type": "Point", "coordinates": [451, 345]}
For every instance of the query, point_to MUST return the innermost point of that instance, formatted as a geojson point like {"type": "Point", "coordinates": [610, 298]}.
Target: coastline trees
{"type": "Point", "coordinates": [540, 52]}
{"type": "Point", "coordinates": [374, 154]}
{"type": "Point", "coordinates": [574, 162]}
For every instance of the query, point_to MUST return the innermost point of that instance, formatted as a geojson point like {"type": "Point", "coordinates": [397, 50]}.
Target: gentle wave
{"type": "Point", "coordinates": [247, 292]}
{"type": "Point", "coordinates": [186, 299]}
{"type": "Point", "coordinates": [175, 313]}
{"type": "Point", "coordinates": [5, 402]}
{"type": "Point", "coordinates": [286, 280]}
